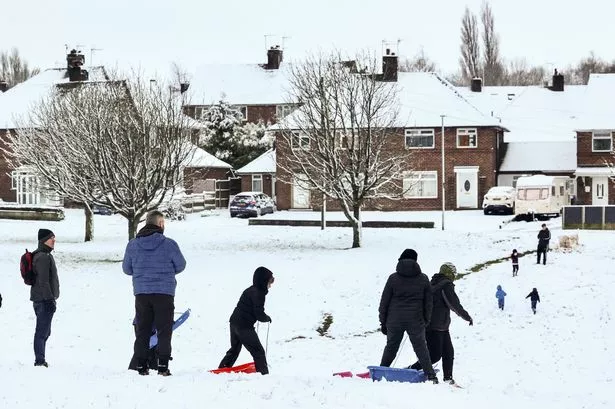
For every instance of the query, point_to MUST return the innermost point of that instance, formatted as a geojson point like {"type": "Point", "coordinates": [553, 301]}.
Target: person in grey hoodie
{"type": "Point", "coordinates": [153, 260]}
{"type": "Point", "coordinates": [405, 307]}
{"type": "Point", "coordinates": [44, 292]}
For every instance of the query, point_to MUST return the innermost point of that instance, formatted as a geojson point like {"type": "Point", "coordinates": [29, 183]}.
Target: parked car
{"type": "Point", "coordinates": [105, 211]}
{"type": "Point", "coordinates": [499, 199]}
{"type": "Point", "coordinates": [251, 204]}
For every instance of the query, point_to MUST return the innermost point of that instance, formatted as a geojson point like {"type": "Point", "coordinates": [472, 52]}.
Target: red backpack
{"type": "Point", "coordinates": [26, 267]}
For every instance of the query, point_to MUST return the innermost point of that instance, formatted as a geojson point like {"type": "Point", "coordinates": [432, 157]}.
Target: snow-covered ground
{"type": "Point", "coordinates": [561, 357]}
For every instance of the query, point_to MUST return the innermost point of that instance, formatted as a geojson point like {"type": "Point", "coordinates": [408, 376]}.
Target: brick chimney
{"type": "Point", "coordinates": [558, 82]}
{"type": "Point", "coordinates": [476, 84]}
{"type": "Point", "coordinates": [4, 86]}
{"type": "Point", "coordinates": [74, 62]}
{"type": "Point", "coordinates": [389, 66]}
{"type": "Point", "coordinates": [274, 58]}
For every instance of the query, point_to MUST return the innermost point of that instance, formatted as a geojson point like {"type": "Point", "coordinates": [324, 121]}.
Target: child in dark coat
{"type": "Point", "coordinates": [534, 298]}
{"type": "Point", "coordinates": [500, 294]}
{"type": "Point", "coordinates": [515, 262]}
{"type": "Point", "coordinates": [250, 308]}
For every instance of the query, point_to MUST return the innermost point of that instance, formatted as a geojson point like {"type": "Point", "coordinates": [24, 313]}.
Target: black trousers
{"type": "Point", "coordinates": [543, 251]}
{"type": "Point", "coordinates": [440, 347]}
{"type": "Point", "coordinates": [417, 339]}
{"type": "Point", "coordinates": [249, 338]}
{"type": "Point", "coordinates": [515, 269]}
{"type": "Point", "coordinates": [154, 310]}
{"type": "Point", "coordinates": [44, 311]}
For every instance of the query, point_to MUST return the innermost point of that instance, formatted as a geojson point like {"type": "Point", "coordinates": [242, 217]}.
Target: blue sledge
{"type": "Point", "coordinates": [153, 341]}
{"type": "Point", "coordinates": [379, 373]}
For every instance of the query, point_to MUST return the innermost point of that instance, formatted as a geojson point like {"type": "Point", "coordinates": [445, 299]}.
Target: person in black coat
{"type": "Point", "coordinates": [534, 298]}
{"type": "Point", "coordinates": [515, 262]}
{"type": "Point", "coordinates": [438, 336]}
{"type": "Point", "coordinates": [544, 235]}
{"type": "Point", "coordinates": [250, 308]}
{"type": "Point", "coordinates": [405, 307]}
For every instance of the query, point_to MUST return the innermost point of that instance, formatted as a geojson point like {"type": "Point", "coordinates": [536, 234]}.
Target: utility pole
{"type": "Point", "coordinates": [443, 176]}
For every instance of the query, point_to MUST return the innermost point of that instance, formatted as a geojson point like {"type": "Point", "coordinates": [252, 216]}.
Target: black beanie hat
{"type": "Point", "coordinates": [44, 234]}
{"type": "Point", "coordinates": [408, 254]}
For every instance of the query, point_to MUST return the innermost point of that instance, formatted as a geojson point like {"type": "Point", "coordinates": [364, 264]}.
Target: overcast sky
{"type": "Point", "coordinates": [154, 33]}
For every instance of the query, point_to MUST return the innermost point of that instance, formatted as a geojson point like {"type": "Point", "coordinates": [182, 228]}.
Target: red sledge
{"type": "Point", "coordinates": [348, 374]}
{"type": "Point", "coordinates": [245, 368]}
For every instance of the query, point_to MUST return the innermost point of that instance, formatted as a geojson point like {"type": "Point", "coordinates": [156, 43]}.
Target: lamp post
{"type": "Point", "coordinates": [443, 176]}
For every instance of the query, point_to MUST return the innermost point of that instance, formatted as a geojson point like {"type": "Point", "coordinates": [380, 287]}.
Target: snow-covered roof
{"type": "Point", "coordinates": [203, 159]}
{"type": "Point", "coordinates": [598, 108]}
{"type": "Point", "coordinates": [534, 181]}
{"type": "Point", "coordinates": [540, 156]}
{"type": "Point", "coordinates": [263, 164]}
{"type": "Point", "coordinates": [239, 84]}
{"type": "Point", "coordinates": [595, 171]}
{"type": "Point", "coordinates": [532, 113]}
{"type": "Point", "coordinates": [423, 98]}
{"type": "Point", "coordinates": [16, 103]}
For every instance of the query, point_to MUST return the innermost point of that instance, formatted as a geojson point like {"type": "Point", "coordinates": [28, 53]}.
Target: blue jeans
{"type": "Point", "coordinates": [44, 311]}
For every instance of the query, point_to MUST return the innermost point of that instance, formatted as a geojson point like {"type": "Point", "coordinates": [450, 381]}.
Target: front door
{"type": "Point", "coordinates": [301, 195]}
{"type": "Point", "coordinates": [600, 191]}
{"type": "Point", "coordinates": [467, 187]}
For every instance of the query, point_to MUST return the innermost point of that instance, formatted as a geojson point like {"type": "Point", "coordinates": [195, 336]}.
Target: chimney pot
{"type": "Point", "coordinates": [389, 66]}
{"type": "Point", "coordinates": [476, 85]}
{"type": "Point", "coordinates": [274, 58]}
{"type": "Point", "coordinates": [4, 86]}
{"type": "Point", "coordinates": [558, 82]}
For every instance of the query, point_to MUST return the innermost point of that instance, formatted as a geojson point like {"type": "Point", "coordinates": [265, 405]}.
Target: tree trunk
{"type": "Point", "coordinates": [89, 223]}
{"type": "Point", "coordinates": [133, 225]}
{"type": "Point", "coordinates": [356, 227]}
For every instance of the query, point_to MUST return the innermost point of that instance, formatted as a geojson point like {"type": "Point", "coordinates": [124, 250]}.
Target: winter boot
{"type": "Point", "coordinates": [163, 367]}
{"type": "Point", "coordinates": [43, 363]}
{"type": "Point", "coordinates": [433, 379]}
{"type": "Point", "coordinates": [449, 381]}
{"type": "Point", "coordinates": [142, 367]}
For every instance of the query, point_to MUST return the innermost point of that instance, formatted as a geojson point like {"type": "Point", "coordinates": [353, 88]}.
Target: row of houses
{"type": "Point", "coordinates": [492, 135]}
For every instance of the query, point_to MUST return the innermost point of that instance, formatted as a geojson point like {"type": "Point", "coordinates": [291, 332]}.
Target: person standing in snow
{"type": "Point", "coordinates": [406, 307]}
{"type": "Point", "coordinates": [438, 336]}
{"type": "Point", "coordinates": [514, 257]}
{"type": "Point", "coordinates": [44, 292]}
{"type": "Point", "coordinates": [153, 260]}
{"type": "Point", "coordinates": [500, 294]}
{"type": "Point", "coordinates": [249, 309]}
{"type": "Point", "coordinates": [544, 235]}
{"type": "Point", "coordinates": [534, 298]}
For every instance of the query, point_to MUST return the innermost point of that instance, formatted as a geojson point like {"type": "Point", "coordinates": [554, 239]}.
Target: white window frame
{"type": "Point", "coordinates": [27, 186]}
{"type": "Point", "coordinates": [300, 137]}
{"type": "Point", "coordinates": [198, 112]}
{"type": "Point", "coordinates": [283, 110]}
{"type": "Point", "coordinates": [413, 132]}
{"type": "Point", "coordinates": [469, 132]}
{"type": "Point", "coordinates": [601, 136]}
{"type": "Point", "coordinates": [257, 177]}
{"type": "Point", "coordinates": [412, 178]}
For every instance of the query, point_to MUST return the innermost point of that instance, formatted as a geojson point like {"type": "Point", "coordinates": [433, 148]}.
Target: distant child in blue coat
{"type": "Point", "coordinates": [500, 294]}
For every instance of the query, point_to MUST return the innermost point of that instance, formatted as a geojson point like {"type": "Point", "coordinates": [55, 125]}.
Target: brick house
{"type": "Point", "coordinates": [473, 145]}
{"type": "Point", "coordinates": [202, 171]}
{"type": "Point", "coordinates": [260, 175]}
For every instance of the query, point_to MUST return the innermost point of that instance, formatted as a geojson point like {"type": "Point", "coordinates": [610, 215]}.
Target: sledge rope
{"type": "Point", "coordinates": [401, 348]}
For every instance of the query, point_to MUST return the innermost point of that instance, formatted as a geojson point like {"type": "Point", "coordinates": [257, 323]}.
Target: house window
{"type": "Point", "coordinates": [602, 141]}
{"type": "Point", "coordinates": [419, 138]}
{"type": "Point", "coordinates": [344, 140]}
{"type": "Point", "coordinates": [257, 183]}
{"type": "Point", "coordinates": [282, 111]}
{"type": "Point", "coordinates": [26, 184]}
{"type": "Point", "coordinates": [467, 138]}
{"type": "Point", "coordinates": [420, 185]}
{"type": "Point", "coordinates": [243, 110]}
{"type": "Point", "coordinates": [198, 112]}
{"type": "Point", "coordinates": [299, 140]}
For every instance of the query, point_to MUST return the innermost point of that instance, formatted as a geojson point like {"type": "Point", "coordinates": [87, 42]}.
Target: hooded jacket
{"type": "Point", "coordinates": [251, 305]}
{"type": "Point", "coordinates": [153, 260]}
{"type": "Point", "coordinates": [444, 300]}
{"type": "Point", "coordinates": [533, 296]}
{"type": "Point", "coordinates": [406, 300]}
{"type": "Point", "coordinates": [46, 285]}
{"type": "Point", "coordinates": [500, 294]}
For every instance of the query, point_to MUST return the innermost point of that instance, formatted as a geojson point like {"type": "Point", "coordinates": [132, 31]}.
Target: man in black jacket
{"type": "Point", "coordinates": [44, 292]}
{"type": "Point", "coordinates": [438, 337]}
{"type": "Point", "coordinates": [405, 307]}
{"type": "Point", "coordinates": [544, 236]}
{"type": "Point", "coordinates": [250, 308]}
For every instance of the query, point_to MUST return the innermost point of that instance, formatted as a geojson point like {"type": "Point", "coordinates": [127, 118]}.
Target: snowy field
{"type": "Point", "coordinates": [562, 357]}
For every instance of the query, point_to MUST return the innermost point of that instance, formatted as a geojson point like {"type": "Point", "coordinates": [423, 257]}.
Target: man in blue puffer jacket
{"type": "Point", "coordinates": [153, 260]}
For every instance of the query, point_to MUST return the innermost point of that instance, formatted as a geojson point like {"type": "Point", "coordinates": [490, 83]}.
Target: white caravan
{"type": "Point", "coordinates": [542, 196]}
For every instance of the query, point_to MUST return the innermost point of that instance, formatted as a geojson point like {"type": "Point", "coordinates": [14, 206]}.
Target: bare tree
{"type": "Point", "coordinates": [579, 73]}
{"type": "Point", "coordinates": [470, 47]}
{"type": "Point", "coordinates": [341, 142]}
{"type": "Point", "coordinates": [493, 68]}
{"type": "Point", "coordinates": [519, 72]}
{"type": "Point", "coordinates": [13, 69]}
{"type": "Point", "coordinates": [419, 63]}
{"type": "Point", "coordinates": [118, 144]}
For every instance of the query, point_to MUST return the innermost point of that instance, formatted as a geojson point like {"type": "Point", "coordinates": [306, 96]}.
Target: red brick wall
{"type": "Point", "coordinates": [6, 193]}
{"type": "Point", "coordinates": [246, 183]}
{"type": "Point", "coordinates": [585, 156]}
{"type": "Point", "coordinates": [484, 156]}
{"type": "Point", "coordinates": [585, 198]}
{"type": "Point", "coordinates": [266, 113]}
{"type": "Point", "coordinates": [193, 174]}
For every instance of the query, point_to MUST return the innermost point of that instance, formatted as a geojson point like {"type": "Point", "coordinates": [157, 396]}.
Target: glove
{"type": "Point", "coordinates": [383, 329]}
{"type": "Point", "coordinates": [268, 319]}
{"type": "Point", "coordinates": [471, 322]}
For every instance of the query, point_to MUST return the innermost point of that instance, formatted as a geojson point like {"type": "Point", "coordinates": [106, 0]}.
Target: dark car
{"type": "Point", "coordinates": [105, 211]}
{"type": "Point", "coordinates": [251, 204]}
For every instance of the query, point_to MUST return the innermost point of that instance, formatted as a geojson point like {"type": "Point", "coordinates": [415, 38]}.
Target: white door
{"type": "Point", "coordinates": [301, 195]}
{"type": "Point", "coordinates": [467, 187]}
{"type": "Point", "coordinates": [600, 191]}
